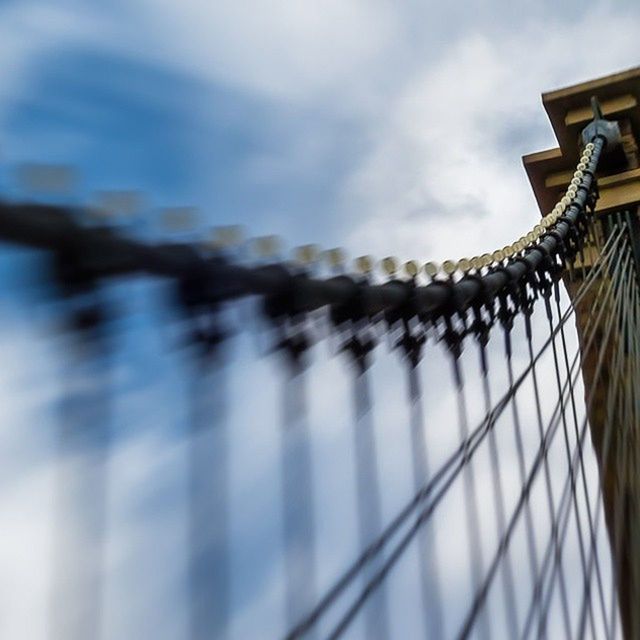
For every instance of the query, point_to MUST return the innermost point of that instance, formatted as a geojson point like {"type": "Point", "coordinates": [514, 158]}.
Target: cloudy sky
{"type": "Point", "coordinates": [383, 127]}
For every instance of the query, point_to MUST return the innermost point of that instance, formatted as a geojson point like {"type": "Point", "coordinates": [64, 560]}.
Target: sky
{"type": "Point", "coordinates": [386, 128]}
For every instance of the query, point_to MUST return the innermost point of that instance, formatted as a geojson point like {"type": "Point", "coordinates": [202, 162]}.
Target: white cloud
{"type": "Point", "coordinates": [442, 180]}
{"type": "Point", "coordinates": [297, 52]}
{"type": "Point", "coordinates": [438, 147]}
{"type": "Point", "coordinates": [29, 31]}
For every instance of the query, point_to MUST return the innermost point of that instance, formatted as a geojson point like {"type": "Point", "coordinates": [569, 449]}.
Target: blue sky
{"type": "Point", "coordinates": [385, 128]}
{"type": "Point", "coordinates": [323, 122]}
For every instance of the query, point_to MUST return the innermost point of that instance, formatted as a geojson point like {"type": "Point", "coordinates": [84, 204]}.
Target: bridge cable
{"type": "Point", "coordinates": [592, 324]}
{"type": "Point", "coordinates": [450, 468]}
{"type": "Point", "coordinates": [548, 437]}
{"type": "Point", "coordinates": [619, 297]}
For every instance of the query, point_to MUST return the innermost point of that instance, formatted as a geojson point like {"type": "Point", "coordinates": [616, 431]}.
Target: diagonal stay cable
{"type": "Point", "coordinates": [406, 539]}
{"type": "Point", "coordinates": [582, 469]}
{"type": "Point", "coordinates": [481, 595]}
{"type": "Point", "coordinates": [547, 469]}
{"type": "Point", "coordinates": [629, 328]}
{"type": "Point", "coordinates": [572, 480]}
{"type": "Point", "coordinates": [459, 456]}
{"type": "Point", "coordinates": [590, 399]}
{"type": "Point", "coordinates": [590, 334]}
{"type": "Point", "coordinates": [521, 464]}
{"type": "Point", "coordinates": [408, 536]}
{"type": "Point", "coordinates": [613, 393]}
{"type": "Point", "coordinates": [630, 333]}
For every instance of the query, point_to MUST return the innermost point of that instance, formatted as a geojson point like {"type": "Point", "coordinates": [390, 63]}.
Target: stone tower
{"type": "Point", "coordinates": [550, 172]}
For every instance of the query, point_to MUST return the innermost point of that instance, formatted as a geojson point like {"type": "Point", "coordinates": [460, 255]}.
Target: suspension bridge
{"type": "Point", "coordinates": [522, 518]}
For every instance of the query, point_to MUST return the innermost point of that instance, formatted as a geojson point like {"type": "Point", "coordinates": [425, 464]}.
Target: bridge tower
{"type": "Point", "coordinates": [550, 171]}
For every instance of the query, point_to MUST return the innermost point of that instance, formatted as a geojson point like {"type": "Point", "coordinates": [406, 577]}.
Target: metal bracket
{"type": "Point", "coordinates": [599, 127]}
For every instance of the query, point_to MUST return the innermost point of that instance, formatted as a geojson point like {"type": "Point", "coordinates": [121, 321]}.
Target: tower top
{"type": "Point", "coordinates": [569, 111]}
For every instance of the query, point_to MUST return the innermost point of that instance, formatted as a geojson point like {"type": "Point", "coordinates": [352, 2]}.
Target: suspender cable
{"type": "Point", "coordinates": [436, 488]}
{"type": "Point", "coordinates": [429, 573]}
{"type": "Point", "coordinates": [369, 502]}
{"type": "Point", "coordinates": [81, 487]}
{"type": "Point", "coordinates": [209, 571]}
{"type": "Point", "coordinates": [555, 544]}
{"type": "Point", "coordinates": [298, 501]}
{"type": "Point", "coordinates": [470, 495]}
{"type": "Point", "coordinates": [511, 611]}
